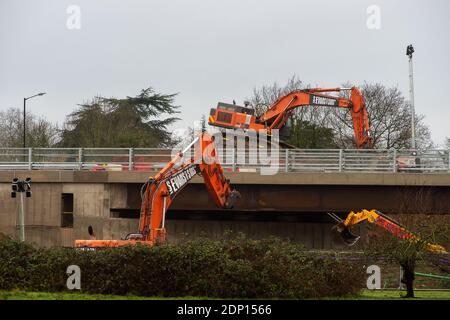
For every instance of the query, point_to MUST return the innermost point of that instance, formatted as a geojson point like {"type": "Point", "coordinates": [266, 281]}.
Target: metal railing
{"type": "Point", "coordinates": [253, 160]}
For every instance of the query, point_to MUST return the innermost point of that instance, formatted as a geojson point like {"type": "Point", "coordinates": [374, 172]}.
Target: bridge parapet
{"type": "Point", "coordinates": [248, 160]}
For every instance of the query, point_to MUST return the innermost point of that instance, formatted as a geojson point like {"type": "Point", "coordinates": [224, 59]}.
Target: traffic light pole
{"type": "Point", "coordinates": [22, 218]}
{"type": "Point", "coordinates": [21, 186]}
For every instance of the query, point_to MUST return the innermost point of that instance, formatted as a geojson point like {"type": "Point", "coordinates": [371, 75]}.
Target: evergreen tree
{"type": "Point", "coordinates": [137, 122]}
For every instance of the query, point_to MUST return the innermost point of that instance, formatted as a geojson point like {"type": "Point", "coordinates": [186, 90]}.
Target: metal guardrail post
{"type": "Point", "coordinates": [80, 159]}
{"type": "Point", "coordinates": [286, 160]}
{"type": "Point", "coordinates": [233, 168]}
{"type": "Point", "coordinates": [341, 153]}
{"type": "Point", "coordinates": [394, 165]}
{"type": "Point", "coordinates": [130, 159]}
{"type": "Point", "coordinates": [30, 158]}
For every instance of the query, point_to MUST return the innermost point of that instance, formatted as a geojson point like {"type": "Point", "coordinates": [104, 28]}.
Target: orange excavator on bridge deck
{"type": "Point", "coordinates": [159, 192]}
{"type": "Point", "coordinates": [231, 116]}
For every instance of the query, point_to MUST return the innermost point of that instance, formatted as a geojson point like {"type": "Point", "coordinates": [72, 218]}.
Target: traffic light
{"type": "Point", "coordinates": [27, 187]}
{"type": "Point", "coordinates": [21, 186]}
{"type": "Point", "coordinates": [14, 185]}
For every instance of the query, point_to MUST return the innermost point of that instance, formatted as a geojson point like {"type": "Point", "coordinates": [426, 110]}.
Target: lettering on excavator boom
{"type": "Point", "coordinates": [178, 181]}
{"type": "Point", "coordinates": [323, 101]}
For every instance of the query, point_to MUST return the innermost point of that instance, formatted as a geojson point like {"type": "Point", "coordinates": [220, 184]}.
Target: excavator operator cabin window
{"type": "Point", "coordinates": [224, 117]}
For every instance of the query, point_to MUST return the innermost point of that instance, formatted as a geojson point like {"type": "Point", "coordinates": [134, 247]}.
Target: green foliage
{"type": "Point", "coordinates": [428, 229]}
{"type": "Point", "coordinates": [308, 135]}
{"type": "Point", "coordinates": [129, 122]}
{"type": "Point", "coordinates": [233, 268]}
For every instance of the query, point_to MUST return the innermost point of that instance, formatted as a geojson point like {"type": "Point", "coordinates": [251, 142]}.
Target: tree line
{"type": "Point", "coordinates": [146, 120]}
{"type": "Point", "coordinates": [321, 127]}
{"type": "Point", "coordinates": [139, 121]}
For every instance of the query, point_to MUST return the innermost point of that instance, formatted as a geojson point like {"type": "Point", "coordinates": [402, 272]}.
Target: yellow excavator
{"type": "Point", "coordinates": [379, 219]}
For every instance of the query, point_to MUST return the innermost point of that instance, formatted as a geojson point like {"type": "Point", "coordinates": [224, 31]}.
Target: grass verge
{"type": "Point", "coordinates": [364, 295]}
{"type": "Point", "coordinates": [397, 294]}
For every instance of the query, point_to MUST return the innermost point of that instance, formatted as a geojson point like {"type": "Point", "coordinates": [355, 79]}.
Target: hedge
{"type": "Point", "coordinates": [236, 267]}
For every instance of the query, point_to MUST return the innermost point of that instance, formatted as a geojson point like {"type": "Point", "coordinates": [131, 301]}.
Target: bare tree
{"type": "Point", "coordinates": [390, 120]}
{"type": "Point", "coordinates": [309, 124]}
{"type": "Point", "coordinates": [430, 229]}
{"type": "Point", "coordinates": [262, 98]}
{"type": "Point", "coordinates": [39, 131]}
{"type": "Point", "coordinates": [389, 115]}
{"type": "Point", "coordinates": [447, 143]}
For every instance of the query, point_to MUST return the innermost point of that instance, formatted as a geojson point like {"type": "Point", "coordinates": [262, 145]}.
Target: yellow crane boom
{"type": "Point", "coordinates": [382, 220]}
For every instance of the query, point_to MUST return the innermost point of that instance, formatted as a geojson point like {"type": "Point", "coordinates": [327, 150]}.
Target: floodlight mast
{"type": "Point", "coordinates": [409, 53]}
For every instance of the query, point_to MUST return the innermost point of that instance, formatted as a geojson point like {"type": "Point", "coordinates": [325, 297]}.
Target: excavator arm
{"type": "Point", "coordinates": [235, 117]}
{"type": "Point", "coordinates": [380, 219]}
{"type": "Point", "coordinates": [159, 192]}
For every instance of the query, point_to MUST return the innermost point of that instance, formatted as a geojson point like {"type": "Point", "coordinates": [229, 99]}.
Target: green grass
{"type": "Point", "coordinates": [23, 295]}
{"type": "Point", "coordinates": [396, 294]}
{"type": "Point", "coordinates": [364, 295]}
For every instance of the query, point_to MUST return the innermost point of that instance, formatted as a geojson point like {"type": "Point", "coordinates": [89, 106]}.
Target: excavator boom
{"type": "Point", "coordinates": [237, 117]}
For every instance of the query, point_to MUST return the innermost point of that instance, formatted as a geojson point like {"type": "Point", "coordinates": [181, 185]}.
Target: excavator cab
{"type": "Point", "coordinates": [231, 116]}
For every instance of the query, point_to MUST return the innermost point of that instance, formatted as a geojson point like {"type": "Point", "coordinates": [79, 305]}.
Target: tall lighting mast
{"type": "Point", "coordinates": [409, 53]}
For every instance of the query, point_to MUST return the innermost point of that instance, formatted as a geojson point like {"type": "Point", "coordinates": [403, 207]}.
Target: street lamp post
{"type": "Point", "coordinates": [409, 53]}
{"type": "Point", "coordinates": [24, 115]}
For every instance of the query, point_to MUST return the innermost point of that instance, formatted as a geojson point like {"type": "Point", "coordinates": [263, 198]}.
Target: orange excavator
{"type": "Point", "coordinates": [159, 192]}
{"type": "Point", "coordinates": [231, 116]}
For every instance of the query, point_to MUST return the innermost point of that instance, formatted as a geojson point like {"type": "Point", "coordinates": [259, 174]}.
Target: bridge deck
{"type": "Point", "coordinates": [281, 178]}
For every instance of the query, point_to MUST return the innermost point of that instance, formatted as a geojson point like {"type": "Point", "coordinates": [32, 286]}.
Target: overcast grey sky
{"type": "Point", "coordinates": [212, 51]}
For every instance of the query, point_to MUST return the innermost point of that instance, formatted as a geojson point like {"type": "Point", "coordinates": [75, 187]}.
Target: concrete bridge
{"type": "Point", "coordinates": [291, 205]}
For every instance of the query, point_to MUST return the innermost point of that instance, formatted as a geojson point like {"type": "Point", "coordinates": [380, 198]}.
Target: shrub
{"type": "Point", "coordinates": [236, 267]}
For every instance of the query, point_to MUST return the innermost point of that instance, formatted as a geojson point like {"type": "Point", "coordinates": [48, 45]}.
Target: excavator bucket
{"type": "Point", "coordinates": [345, 234]}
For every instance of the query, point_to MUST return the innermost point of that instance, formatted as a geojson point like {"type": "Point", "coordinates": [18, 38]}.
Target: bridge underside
{"type": "Point", "coordinates": [292, 206]}
{"type": "Point", "coordinates": [260, 199]}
